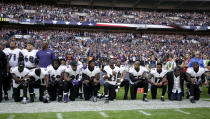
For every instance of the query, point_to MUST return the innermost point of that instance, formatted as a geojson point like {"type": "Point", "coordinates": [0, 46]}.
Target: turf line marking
{"type": "Point", "coordinates": [179, 110]}
{"type": "Point", "coordinates": [103, 114]}
{"type": "Point", "coordinates": [59, 115]}
{"type": "Point", "coordinates": [145, 113]}
{"type": "Point", "coordinates": [11, 117]}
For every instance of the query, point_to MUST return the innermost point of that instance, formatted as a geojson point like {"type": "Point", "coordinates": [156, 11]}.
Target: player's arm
{"type": "Point", "coordinates": [149, 79]}
{"type": "Point", "coordinates": [26, 77]}
{"type": "Point", "coordinates": [105, 76]}
{"type": "Point", "coordinates": [96, 79]}
{"type": "Point", "coordinates": [124, 75]}
{"type": "Point", "coordinates": [144, 75]}
{"type": "Point", "coordinates": [163, 81]}
{"type": "Point", "coordinates": [15, 78]}
{"type": "Point", "coordinates": [66, 76]}
{"type": "Point", "coordinates": [132, 77]}
{"type": "Point", "coordinates": [192, 80]}
{"type": "Point", "coordinates": [85, 78]}
{"type": "Point", "coordinates": [186, 76]}
{"type": "Point", "coordinates": [47, 80]}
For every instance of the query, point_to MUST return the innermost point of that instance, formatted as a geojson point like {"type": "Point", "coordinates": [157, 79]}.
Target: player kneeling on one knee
{"type": "Point", "coordinates": [110, 77]}
{"type": "Point", "coordinates": [197, 76]}
{"type": "Point", "coordinates": [137, 76]}
{"type": "Point", "coordinates": [159, 75]}
{"type": "Point", "coordinates": [38, 79]}
{"type": "Point", "coordinates": [56, 80]}
{"type": "Point", "coordinates": [121, 78]}
{"type": "Point", "coordinates": [20, 81]}
{"type": "Point", "coordinates": [72, 81]}
{"type": "Point", "coordinates": [91, 81]}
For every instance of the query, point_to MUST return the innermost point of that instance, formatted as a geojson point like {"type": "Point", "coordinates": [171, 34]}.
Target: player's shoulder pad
{"type": "Point", "coordinates": [189, 69]}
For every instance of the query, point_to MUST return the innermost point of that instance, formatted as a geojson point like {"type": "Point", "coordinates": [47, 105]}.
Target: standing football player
{"type": "Point", "coordinates": [14, 55]}
{"type": "Point", "coordinates": [29, 55]}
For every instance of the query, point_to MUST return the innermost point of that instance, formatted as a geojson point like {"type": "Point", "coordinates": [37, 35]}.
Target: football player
{"type": "Point", "coordinates": [137, 76]}
{"type": "Point", "coordinates": [110, 80]}
{"type": "Point", "coordinates": [91, 81]}
{"type": "Point", "coordinates": [29, 55]}
{"type": "Point", "coordinates": [20, 81]}
{"type": "Point", "coordinates": [72, 77]}
{"type": "Point", "coordinates": [56, 80]}
{"type": "Point", "coordinates": [38, 77]}
{"type": "Point", "coordinates": [159, 75]}
{"type": "Point", "coordinates": [122, 78]}
{"type": "Point", "coordinates": [14, 55]}
{"type": "Point", "coordinates": [198, 77]}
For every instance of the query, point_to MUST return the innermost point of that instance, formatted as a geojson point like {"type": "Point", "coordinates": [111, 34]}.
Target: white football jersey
{"type": "Point", "coordinates": [77, 73]}
{"type": "Point", "coordinates": [6, 50]}
{"type": "Point", "coordinates": [109, 71]}
{"type": "Point", "coordinates": [54, 74]}
{"type": "Point", "coordinates": [122, 69]}
{"type": "Point", "coordinates": [29, 57]}
{"type": "Point", "coordinates": [13, 56]}
{"type": "Point", "coordinates": [63, 67]}
{"type": "Point", "coordinates": [91, 73]}
{"type": "Point", "coordinates": [41, 77]}
{"type": "Point", "coordinates": [158, 76]}
{"type": "Point", "coordinates": [139, 73]}
{"type": "Point", "coordinates": [194, 74]}
{"type": "Point", "coordinates": [18, 74]}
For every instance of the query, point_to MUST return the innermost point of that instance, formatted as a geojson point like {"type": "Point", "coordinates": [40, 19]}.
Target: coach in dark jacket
{"type": "Point", "coordinates": [176, 80]}
{"type": "Point", "coordinates": [3, 71]}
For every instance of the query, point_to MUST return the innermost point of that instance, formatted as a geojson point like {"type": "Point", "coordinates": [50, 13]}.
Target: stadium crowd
{"type": "Point", "coordinates": [83, 49]}
{"type": "Point", "coordinates": [104, 15]}
{"type": "Point", "coordinates": [124, 46]}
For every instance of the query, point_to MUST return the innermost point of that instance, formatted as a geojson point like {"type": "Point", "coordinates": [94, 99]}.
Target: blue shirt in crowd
{"type": "Point", "coordinates": [199, 60]}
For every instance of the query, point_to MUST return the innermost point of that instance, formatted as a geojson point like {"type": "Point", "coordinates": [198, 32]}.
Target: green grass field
{"type": "Point", "coordinates": [120, 94]}
{"type": "Point", "coordinates": [198, 113]}
{"type": "Point", "coordinates": [194, 113]}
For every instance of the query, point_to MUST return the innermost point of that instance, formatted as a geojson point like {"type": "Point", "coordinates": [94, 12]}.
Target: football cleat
{"type": "Point", "coordinates": [94, 99]}
{"type": "Point", "coordinates": [24, 101]}
{"type": "Point", "coordinates": [46, 97]}
{"type": "Point", "coordinates": [66, 99]}
{"type": "Point", "coordinates": [162, 99]}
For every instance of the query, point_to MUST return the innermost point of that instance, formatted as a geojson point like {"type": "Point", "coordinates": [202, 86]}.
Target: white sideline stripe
{"type": "Point", "coordinates": [103, 114]}
{"type": "Point", "coordinates": [11, 117]}
{"type": "Point", "coordinates": [145, 113]}
{"type": "Point", "coordinates": [59, 115]}
{"type": "Point", "coordinates": [179, 110]}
